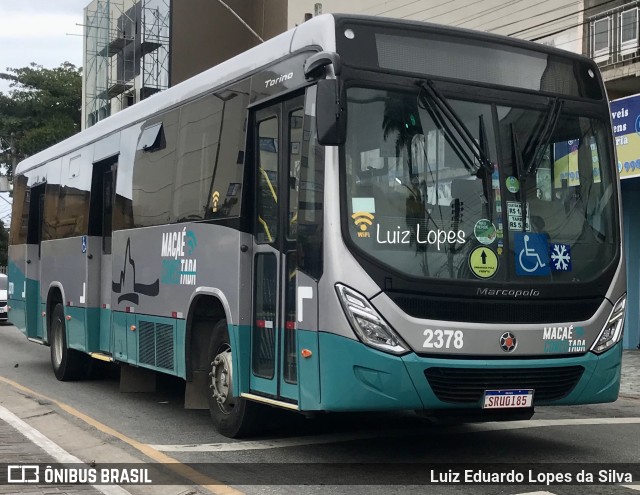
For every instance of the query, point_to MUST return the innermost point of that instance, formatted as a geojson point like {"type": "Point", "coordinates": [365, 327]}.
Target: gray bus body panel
{"type": "Point", "coordinates": [157, 270]}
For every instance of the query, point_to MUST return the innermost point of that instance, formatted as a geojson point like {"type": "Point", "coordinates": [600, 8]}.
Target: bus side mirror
{"type": "Point", "coordinates": [331, 118]}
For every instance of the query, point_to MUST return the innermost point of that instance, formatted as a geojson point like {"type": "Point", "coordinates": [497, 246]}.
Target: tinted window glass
{"type": "Point", "coordinates": [419, 202]}
{"type": "Point", "coordinates": [199, 136]}
{"type": "Point", "coordinates": [267, 197]}
{"type": "Point", "coordinates": [229, 169]}
{"type": "Point", "coordinates": [153, 176]}
{"type": "Point", "coordinates": [20, 213]}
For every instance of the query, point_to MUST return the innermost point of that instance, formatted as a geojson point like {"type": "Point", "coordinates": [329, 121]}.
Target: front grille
{"type": "Point", "coordinates": [467, 386]}
{"type": "Point", "coordinates": [496, 311]}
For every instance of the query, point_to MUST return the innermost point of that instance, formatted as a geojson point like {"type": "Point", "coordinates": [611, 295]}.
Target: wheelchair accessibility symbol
{"type": "Point", "coordinates": [532, 254]}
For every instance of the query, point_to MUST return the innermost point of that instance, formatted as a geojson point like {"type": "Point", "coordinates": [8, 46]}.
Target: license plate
{"type": "Point", "coordinates": [507, 399]}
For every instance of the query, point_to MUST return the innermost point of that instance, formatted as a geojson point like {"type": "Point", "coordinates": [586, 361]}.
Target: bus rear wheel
{"type": "Point", "coordinates": [232, 416]}
{"type": "Point", "coordinates": [68, 364]}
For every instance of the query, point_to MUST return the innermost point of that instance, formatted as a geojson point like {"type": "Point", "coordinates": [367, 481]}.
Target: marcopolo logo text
{"type": "Point", "coordinates": [507, 292]}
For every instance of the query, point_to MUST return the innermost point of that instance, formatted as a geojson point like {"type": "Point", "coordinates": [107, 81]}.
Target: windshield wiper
{"type": "Point", "coordinates": [535, 147]}
{"type": "Point", "coordinates": [540, 139]}
{"type": "Point", "coordinates": [445, 117]}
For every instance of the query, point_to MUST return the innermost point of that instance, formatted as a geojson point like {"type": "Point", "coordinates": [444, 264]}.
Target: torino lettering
{"type": "Point", "coordinates": [272, 82]}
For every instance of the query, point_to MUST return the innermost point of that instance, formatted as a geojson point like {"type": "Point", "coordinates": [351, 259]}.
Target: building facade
{"type": "Point", "coordinates": [610, 37]}
{"type": "Point", "coordinates": [126, 55]}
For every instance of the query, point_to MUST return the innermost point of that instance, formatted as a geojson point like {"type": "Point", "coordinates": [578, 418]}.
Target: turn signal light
{"type": "Point", "coordinates": [306, 353]}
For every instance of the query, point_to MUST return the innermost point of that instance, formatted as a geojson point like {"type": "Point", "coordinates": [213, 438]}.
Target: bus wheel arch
{"type": "Point", "coordinates": [205, 311]}
{"type": "Point", "coordinates": [232, 416]}
{"type": "Point", "coordinates": [209, 360]}
{"type": "Point", "coordinates": [54, 297]}
{"type": "Point", "coordinates": [68, 364]}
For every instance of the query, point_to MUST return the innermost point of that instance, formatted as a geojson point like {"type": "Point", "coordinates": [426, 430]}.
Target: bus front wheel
{"type": "Point", "coordinates": [232, 416]}
{"type": "Point", "coordinates": [68, 364]}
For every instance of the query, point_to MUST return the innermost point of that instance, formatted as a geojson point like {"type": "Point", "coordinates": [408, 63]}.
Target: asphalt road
{"type": "Point", "coordinates": [346, 453]}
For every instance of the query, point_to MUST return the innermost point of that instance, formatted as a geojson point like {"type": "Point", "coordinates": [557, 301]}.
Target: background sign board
{"type": "Point", "coordinates": [625, 117]}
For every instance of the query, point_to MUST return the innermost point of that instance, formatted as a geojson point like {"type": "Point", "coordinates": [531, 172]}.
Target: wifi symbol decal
{"type": "Point", "coordinates": [215, 197]}
{"type": "Point", "coordinates": [191, 242]}
{"type": "Point", "coordinates": [362, 219]}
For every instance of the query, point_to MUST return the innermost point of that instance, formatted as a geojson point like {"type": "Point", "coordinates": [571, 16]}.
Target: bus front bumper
{"type": "Point", "coordinates": [355, 377]}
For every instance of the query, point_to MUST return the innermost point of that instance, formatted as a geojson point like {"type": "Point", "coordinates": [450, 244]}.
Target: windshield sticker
{"type": "Point", "coordinates": [560, 257]}
{"type": "Point", "coordinates": [500, 229]}
{"type": "Point", "coordinates": [564, 339]}
{"type": "Point", "coordinates": [363, 220]}
{"type": "Point", "coordinates": [513, 185]}
{"type": "Point", "coordinates": [363, 204]}
{"type": "Point", "coordinates": [483, 262]}
{"type": "Point", "coordinates": [514, 215]}
{"type": "Point", "coordinates": [485, 231]}
{"type": "Point", "coordinates": [420, 235]}
{"type": "Point", "coordinates": [532, 254]}
{"type": "Point", "coordinates": [363, 217]}
{"type": "Point", "coordinates": [500, 247]}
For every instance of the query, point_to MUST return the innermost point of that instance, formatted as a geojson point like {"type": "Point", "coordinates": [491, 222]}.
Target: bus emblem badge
{"type": "Point", "coordinates": [508, 342]}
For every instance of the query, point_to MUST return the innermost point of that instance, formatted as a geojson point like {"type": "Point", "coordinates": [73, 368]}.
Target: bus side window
{"type": "Point", "coordinates": [20, 217]}
{"type": "Point", "coordinates": [267, 194]}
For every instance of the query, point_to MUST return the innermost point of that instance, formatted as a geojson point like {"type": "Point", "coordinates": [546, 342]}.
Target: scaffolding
{"type": "Point", "coordinates": [126, 54]}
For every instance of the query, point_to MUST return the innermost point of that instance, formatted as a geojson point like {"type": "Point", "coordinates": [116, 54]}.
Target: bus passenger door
{"type": "Point", "coordinates": [98, 277]}
{"type": "Point", "coordinates": [273, 342]}
{"type": "Point", "coordinates": [31, 290]}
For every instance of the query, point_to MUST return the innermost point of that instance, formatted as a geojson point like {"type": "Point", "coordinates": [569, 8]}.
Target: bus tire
{"type": "Point", "coordinates": [68, 364]}
{"type": "Point", "coordinates": [233, 417]}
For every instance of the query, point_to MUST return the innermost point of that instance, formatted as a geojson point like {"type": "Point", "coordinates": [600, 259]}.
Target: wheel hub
{"type": "Point", "coordinates": [221, 373]}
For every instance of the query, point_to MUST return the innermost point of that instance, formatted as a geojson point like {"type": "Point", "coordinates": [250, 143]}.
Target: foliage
{"type": "Point", "coordinates": [42, 108]}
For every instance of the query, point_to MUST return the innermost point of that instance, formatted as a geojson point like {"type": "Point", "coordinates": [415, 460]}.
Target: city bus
{"type": "Point", "coordinates": [360, 214]}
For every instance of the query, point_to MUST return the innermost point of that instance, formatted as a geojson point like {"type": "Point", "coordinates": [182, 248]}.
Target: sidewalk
{"type": "Point", "coordinates": [16, 448]}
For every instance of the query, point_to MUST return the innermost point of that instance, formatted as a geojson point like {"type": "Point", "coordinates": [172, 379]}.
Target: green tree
{"type": "Point", "coordinates": [42, 108]}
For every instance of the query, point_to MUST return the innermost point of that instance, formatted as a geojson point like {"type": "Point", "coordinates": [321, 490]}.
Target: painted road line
{"type": "Point", "coordinates": [52, 448]}
{"type": "Point", "coordinates": [632, 487]}
{"type": "Point", "coordinates": [536, 493]}
{"type": "Point", "coordinates": [368, 434]}
{"type": "Point", "coordinates": [170, 463]}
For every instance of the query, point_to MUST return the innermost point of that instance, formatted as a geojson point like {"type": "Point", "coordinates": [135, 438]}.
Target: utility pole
{"type": "Point", "coordinates": [241, 20]}
{"type": "Point", "coordinates": [14, 157]}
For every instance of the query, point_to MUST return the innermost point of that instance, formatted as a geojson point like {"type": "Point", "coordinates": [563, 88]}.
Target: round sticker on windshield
{"type": "Point", "coordinates": [485, 231]}
{"type": "Point", "coordinates": [483, 262]}
{"type": "Point", "coordinates": [513, 185]}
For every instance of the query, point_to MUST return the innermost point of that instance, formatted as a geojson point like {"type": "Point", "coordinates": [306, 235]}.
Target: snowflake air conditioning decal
{"type": "Point", "coordinates": [560, 255]}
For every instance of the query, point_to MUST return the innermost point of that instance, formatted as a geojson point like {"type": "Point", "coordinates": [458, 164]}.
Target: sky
{"type": "Point", "coordinates": [47, 32]}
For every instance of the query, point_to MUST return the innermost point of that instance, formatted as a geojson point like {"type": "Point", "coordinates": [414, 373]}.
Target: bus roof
{"type": "Point", "coordinates": [319, 31]}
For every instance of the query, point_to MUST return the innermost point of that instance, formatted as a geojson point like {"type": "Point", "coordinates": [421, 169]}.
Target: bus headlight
{"type": "Point", "coordinates": [367, 323]}
{"type": "Point", "coordinates": [612, 331]}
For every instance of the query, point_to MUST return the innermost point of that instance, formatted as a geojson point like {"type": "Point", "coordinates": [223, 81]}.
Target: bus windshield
{"type": "Point", "coordinates": [453, 189]}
